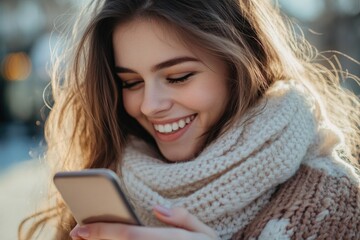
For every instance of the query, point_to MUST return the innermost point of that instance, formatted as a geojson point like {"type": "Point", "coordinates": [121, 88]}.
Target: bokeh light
{"type": "Point", "coordinates": [16, 66]}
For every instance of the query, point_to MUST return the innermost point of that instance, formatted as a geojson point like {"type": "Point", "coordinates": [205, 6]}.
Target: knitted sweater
{"type": "Point", "coordinates": [273, 176]}
{"type": "Point", "coordinates": [314, 204]}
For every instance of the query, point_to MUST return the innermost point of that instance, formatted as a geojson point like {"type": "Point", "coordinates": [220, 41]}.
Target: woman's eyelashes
{"type": "Point", "coordinates": [180, 78]}
{"type": "Point", "coordinates": [136, 84]}
{"type": "Point", "coordinates": [133, 84]}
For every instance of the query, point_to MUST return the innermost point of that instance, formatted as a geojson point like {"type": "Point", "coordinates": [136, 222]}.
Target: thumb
{"type": "Point", "coordinates": [181, 218]}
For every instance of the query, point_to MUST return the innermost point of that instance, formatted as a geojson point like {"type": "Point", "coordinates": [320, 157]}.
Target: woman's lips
{"type": "Point", "coordinates": [173, 130]}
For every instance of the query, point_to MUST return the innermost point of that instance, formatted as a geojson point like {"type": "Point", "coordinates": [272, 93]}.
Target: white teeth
{"type": "Point", "coordinates": [175, 126]}
{"type": "Point", "coordinates": [161, 128]}
{"type": "Point", "coordinates": [170, 127]}
{"type": "Point", "coordinates": [182, 123]}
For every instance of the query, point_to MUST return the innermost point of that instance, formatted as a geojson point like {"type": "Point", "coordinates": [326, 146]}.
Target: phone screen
{"type": "Point", "coordinates": [95, 195]}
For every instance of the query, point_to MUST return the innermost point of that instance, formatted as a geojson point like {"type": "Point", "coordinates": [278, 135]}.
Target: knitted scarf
{"type": "Point", "coordinates": [232, 179]}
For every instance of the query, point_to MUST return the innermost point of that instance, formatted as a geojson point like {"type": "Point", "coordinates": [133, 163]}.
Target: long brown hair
{"type": "Point", "coordinates": [88, 126]}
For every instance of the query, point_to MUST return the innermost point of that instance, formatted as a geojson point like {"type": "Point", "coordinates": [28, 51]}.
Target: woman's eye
{"type": "Point", "coordinates": [132, 85]}
{"type": "Point", "coordinates": [181, 78]}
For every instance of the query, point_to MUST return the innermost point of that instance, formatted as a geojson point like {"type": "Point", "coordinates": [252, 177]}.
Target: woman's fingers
{"type": "Point", "coordinates": [74, 234]}
{"type": "Point", "coordinates": [185, 226]}
{"type": "Point", "coordinates": [181, 218]}
{"type": "Point", "coordinates": [112, 231]}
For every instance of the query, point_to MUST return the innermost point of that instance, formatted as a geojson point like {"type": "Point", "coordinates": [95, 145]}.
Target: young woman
{"type": "Point", "coordinates": [215, 118]}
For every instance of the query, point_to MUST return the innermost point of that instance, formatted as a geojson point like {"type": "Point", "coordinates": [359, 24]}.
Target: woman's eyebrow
{"type": "Point", "coordinates": [123, 70]}
{"type": "Point", "coordinates": [172, 62]}
{"type": "Point", "coordinates": [159, 66]}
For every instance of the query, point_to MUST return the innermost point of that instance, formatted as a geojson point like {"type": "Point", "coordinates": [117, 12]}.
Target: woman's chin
{"type": "Point", "coordinates": [181, 151]}
{"type": "Point", "coordinates": [177, 156]}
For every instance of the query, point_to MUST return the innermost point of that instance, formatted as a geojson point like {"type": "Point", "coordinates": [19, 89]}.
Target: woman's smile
{"type": "Point", "coordinates": [172, 130]}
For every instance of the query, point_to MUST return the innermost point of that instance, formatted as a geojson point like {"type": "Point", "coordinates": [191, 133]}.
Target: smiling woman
{"type": "Point", "coordinates": [214, 119]}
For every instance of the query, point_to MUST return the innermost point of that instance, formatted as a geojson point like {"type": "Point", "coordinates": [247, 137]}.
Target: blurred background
{"type": "Point", "coordinates": [26, 38]}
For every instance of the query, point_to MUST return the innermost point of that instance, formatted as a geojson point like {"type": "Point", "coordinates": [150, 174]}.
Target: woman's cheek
{"type": "Point", "coordinates": [132, 103]}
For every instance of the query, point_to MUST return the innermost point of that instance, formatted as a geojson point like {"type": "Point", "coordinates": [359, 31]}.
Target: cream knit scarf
{"type": "Point", "coordinates": [234, 177]}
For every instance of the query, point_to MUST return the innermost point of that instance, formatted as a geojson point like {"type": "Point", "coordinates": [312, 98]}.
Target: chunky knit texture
{"type": "Point", "coordinates": [244, 185]}
{"type": "Point", "coordinates": [311, 205]}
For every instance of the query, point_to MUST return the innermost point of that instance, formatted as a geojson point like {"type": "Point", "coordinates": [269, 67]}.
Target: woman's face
{"type": "Point", "coordinates": [175, 93]}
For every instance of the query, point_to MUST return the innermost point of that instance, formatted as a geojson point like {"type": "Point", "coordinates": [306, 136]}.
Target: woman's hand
{"type": "Point", "coordinates": [185, 226]}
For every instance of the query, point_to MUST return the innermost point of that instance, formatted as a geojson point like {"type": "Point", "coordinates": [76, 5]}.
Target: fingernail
{"type": "Point", "coordinates": [80, 232]}
{"type": "Point", "coordinates": [83, 232]}
{"type": "Point", "coordinates": [163, 210]}
{"type": "Point", "coordinates": [73, 233]}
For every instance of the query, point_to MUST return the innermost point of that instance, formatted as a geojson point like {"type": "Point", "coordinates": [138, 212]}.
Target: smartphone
{"type": "Point", "coordinates": [95, 195]}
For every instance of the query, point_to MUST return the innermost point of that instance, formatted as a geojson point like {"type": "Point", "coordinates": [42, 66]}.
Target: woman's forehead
{"type": "Point", "coordinates": [142, 40]}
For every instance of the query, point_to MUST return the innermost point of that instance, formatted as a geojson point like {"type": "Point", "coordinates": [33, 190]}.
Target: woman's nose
{"type": "Point", "coordinates": [156, 99]}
